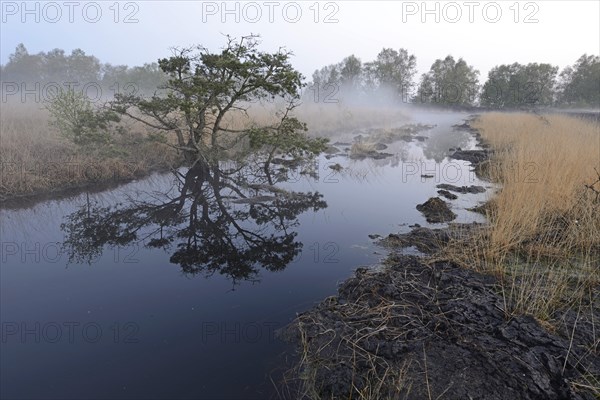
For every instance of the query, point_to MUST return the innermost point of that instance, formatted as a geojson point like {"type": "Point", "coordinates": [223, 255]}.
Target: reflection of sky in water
{"type": "Point", "coordinates": [172, 311]}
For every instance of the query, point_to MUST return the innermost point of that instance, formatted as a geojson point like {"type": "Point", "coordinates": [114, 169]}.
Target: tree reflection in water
{"type": "Point", "coordinates": [232, 221]}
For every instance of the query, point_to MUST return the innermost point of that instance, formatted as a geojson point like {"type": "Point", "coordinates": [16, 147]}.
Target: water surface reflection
{"type": "Point", "coordinates": [137, 256]}
{"type": "Point", "coordinates": [230, 221]}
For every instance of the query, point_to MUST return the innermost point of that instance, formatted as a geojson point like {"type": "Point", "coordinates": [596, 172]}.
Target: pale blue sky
{"type": "Point", "coordinates": [564, 29]}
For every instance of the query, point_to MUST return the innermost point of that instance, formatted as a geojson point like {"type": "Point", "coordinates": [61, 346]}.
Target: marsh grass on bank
{"type": "Point", "coordinates": [543, 236]}
{"type": "Point", "coordinates": [37, 159]}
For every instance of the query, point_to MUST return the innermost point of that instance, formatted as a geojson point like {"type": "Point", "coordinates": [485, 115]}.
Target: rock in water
{"type": "Point", "coordinates": [474, 156]}
{"type": "Point", "coordinates": [436, 210]}
{"type": "Point", "coordinates": [461, 189]}
{"type": "Point", "coordinates": [447, 194]}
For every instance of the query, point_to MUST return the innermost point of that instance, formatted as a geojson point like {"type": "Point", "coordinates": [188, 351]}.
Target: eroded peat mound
{"type": "Point", "coordinates": [417, 331]}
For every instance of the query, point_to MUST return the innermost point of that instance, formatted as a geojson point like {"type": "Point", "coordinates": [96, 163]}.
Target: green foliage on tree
{"type": "Point", "coordinates": [351, 70]}
{"type": "Point", "coordinates": [78, 120]}
{"type": "Point", "coordinates": [288, 137]}
{"type": "Point", "coordinates": [580, 84]}
{"type": "Point", "coordinates": [391, 73]}
{"type": "Point", "coordinates": [393, 69]}
{"type": "Point", "coordinates": [347, 74]}
{"type": "Point", "coordinates": [449, 82]}
{"type": "Point", "coordinates": [204, 88]}
{"type": "Point", "coordinates": [520, 86]}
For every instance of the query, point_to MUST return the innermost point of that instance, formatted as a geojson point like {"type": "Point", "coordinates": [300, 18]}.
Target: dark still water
{"type": "Point", "coordinates": [172, 287]}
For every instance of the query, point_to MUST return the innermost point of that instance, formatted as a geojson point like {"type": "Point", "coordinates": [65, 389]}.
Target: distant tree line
{"type": "Point", "coordinates": [57, 69]}
{"type": "Point", "coordinates": [390, 76]}
{"type": "Point", "coordinates": [453, 82]}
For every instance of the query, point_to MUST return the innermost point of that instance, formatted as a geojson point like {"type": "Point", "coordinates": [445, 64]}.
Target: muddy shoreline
{"type": "Point", "coordinates": [443, 330]}
{"type": "Point", "coordinates": [419, 327]}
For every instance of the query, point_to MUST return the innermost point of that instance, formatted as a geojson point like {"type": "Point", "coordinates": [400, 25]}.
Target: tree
{"type": "Point", "coordinates": [146, 78]}
{"type": "Point", "coordinates": [580, 84]}
{"type": "Point", "coordinates": [203, 88]}
{"type": "Point", "coordinates": [337, 80]}
{"type": "Point", "coordinates": [449, 82]}
{"type": "Point", "coordinates": [22, 67]}
{"type": "Point", "coordinates": [394, 69]}
{"type": "Point", "coordinates": [81, 122]}
{"type": "Point", "coordinates": [329, 74]}
{"type": "Point", "coordinates": [81, 68]}
{"type": "Point", "coordinates": [136, 80]}
{"type": "Point", "coordinates": [74, 70]}
{"type": "Point", "coordinates": [288, 137]}
{"type": "Point", "coordinates": [114, 74]}
{"type": "Point", "coordinates": [54, 66]}
{"type": "Point", "coordinates": [517, 85]}
{"type": "Point", "coordinates": [351, 72]}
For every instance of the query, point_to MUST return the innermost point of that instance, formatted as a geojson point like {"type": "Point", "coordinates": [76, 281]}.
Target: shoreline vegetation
{"type": "Point", "coordinates": [39, 163]}
{"type": "Point", "coordinates": [508, 309]}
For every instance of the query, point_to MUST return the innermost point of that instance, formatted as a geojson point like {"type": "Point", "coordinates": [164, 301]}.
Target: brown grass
{"type": "Point", "coordinates": [543, 238]}
{"type": "Point", "coordinates": [37, 160]}
{"type": "Point", "coordinates": [543, 168]}
{"type": "Point", "coordinates": [377, 377]}
{"type": "Point", "coordinates": [322, 119]}
{"type": "Point", "coordinates": [362, 148]}
{"type": "Point", "coordinates": [331, 118]}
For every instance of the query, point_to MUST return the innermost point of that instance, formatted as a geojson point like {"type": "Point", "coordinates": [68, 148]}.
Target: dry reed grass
{"type": "Point", "coordinates": [543, 238]}
{"type": "Point", "coordinates": [543, 165]}
{"type": "Point", "coordinates": [322, 119]}
{"type": "Point", "coordinates": [37, 160]}
{"type": "Point", "coordinates": [377, 377]}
